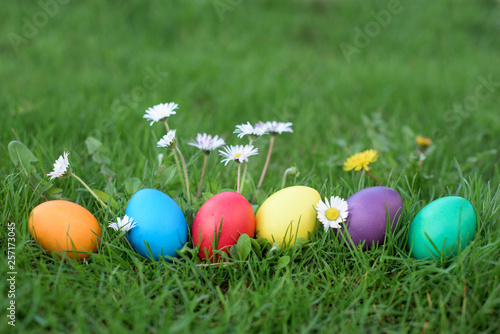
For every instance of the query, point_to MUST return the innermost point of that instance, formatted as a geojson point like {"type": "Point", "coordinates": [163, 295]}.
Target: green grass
{"type": "Point", "coordinates": [261, 61]}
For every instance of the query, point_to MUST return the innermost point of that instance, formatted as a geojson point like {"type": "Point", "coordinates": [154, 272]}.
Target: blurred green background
{"type": "Point", "coordinates": [84, 71]}
{"type": "Point", "coordinates": [350, 75]}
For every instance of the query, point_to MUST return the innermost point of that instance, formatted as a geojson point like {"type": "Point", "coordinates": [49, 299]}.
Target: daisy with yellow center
{"type": "Point", "coordinates": [332, 212]}
{"type": "Point", "coordinates": [238, 154]}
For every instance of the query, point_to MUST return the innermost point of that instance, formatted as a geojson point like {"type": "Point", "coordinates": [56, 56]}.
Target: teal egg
{"type": "Point", "coordinates": [442, 228]}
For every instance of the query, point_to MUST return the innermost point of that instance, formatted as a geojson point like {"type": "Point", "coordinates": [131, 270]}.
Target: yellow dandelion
{"type": "Point", "coordinates": [423, 142]}
{"type": "Point", "coordinates": [361, 160]}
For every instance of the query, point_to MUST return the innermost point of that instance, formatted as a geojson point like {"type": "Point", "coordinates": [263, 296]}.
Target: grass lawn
{"type": "Point", "coordinates": [350, 75]}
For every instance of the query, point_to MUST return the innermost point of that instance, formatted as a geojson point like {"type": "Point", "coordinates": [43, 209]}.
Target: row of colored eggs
{"type": "Point", "coordinates": [440, 229]}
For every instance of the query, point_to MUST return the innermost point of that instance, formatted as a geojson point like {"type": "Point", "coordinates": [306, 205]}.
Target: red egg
{"type": "Point", "coordinates": [220, 221]}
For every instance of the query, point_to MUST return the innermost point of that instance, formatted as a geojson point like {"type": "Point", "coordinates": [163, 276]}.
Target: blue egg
{"type": "Point", "coordinates": [161, 225]}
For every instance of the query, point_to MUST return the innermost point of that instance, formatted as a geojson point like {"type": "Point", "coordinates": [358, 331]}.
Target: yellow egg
{"type": "Point", "coordinates": [60, 225]}
{"type": "Point", "coordinates": [288, 214]}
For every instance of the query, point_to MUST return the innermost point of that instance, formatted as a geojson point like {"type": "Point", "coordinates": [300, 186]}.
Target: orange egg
{"type": "Point", "coordinates": [60, 225]}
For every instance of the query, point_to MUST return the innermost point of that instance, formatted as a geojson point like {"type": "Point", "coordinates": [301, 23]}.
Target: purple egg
{"type": "Point", "coordinates": [367, 218]}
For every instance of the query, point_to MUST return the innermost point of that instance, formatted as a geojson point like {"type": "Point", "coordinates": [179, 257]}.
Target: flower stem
{"type": "Point", "coordinates": [238, 182]}
{"type": "Point", "coordinates": [285, 174]}
{"type": "Point", "coordinates": [283, 180]}
{"type": "Point", "coordinates": [373, 177]}
{"type": "Point", "coordinates": [175, 156]}
{"type": "Point", "coordinates": [421, 157]}
{"type": "Point", "coordinates": [202, 175]}
{"type": "Point", "coordinates": [128, 242]}
{"type": "Point", "coordinates": [90, 191]}
{"type": "Point", "coordinates": [244, 175]}
{"type": "Point", "coordinates": [166, 124]}
{"type": "Point", "coordinates": [185, 174]}
{"type": "Point", "coordinates": [214, 264]}
{"type": "Point", "coordinates": [264, 170]}
{"type": "Point", "coordinates": [126, 239]}
{"type": "Point", "coordinates": [177, 163]}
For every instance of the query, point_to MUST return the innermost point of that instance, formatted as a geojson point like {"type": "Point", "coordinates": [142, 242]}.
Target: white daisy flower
{"type": "Point", "coordinates": [238, 153]}
{"type": "Point", "coordinates": [332, 213]}
{"type": "Point", "coordinates": [207, 143]}
{"type": "Point", "coordinates": [160, 112]}
{"type": "Point", "coordinates": [275, 128]}
{"type": "Point", "coordinates": [168, 140]}
{"type": "Point", "coordinates": [124, 224]}
{"type": "Point", "coordinates": [217, 142]}
{"type": "Point", "coordinates": [61, 167]}
{"type": "Point", "coordinates": [248, 151]}
{"type": "Point", "coordinates": [247, 129]}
